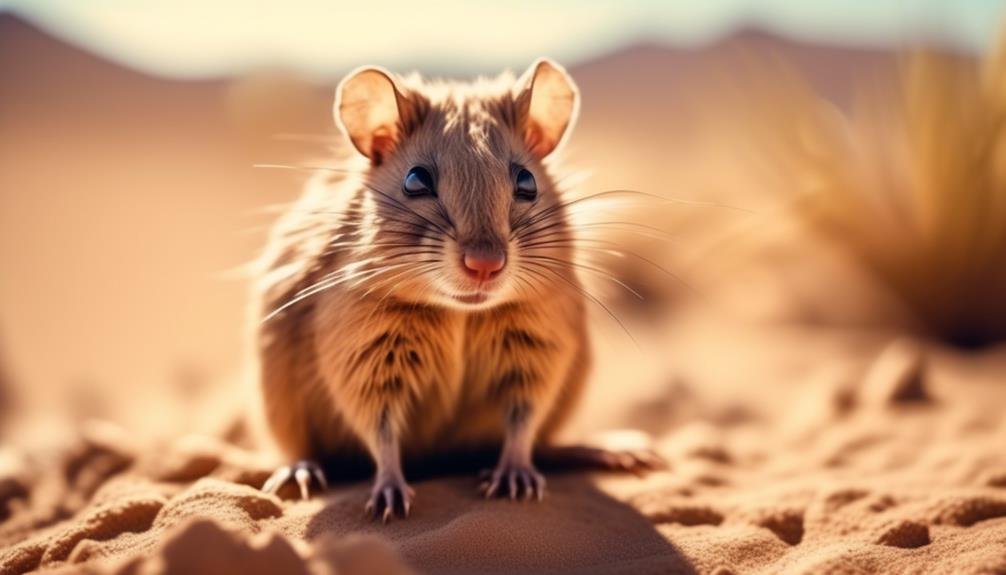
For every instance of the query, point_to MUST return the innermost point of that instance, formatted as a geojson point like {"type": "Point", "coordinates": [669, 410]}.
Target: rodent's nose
{"type": "Point", "coordinates": [483, 266]}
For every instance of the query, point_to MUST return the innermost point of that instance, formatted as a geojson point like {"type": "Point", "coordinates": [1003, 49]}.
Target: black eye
{"type": "Point", "coordinates": [525, 188]}
{"type": "Point", "coordinates": [418, 182]}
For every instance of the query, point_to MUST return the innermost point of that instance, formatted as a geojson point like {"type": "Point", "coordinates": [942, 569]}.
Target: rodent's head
{"type": "Point", "coordinates": [465, 211]}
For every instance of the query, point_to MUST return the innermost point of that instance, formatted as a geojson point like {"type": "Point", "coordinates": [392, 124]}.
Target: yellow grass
{"type": "Point", "coordinates": [913, 183]}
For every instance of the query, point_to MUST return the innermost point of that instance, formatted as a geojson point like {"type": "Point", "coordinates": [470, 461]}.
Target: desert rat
{"type": "Point", "coordinates": [423, 299]}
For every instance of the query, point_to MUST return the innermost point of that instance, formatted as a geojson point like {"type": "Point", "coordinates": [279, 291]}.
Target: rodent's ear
{"type": "Point", "coordinates": [368, 108]}
{"type": "Point", "coordinates": [547, 103]}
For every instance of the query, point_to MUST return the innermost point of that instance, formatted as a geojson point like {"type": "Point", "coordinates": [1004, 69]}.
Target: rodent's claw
{"type": "Point", "coordinates": [278, 477]}
{"type": "Point", "coordinates": [301, 472]}
{"type": "Point", "coordinates": [652, 459]}
{"type": "Point", "coordinates": [514, 481]}
{"type": "Point", "coordinates": [390, 497]}
{"type": "Point", "coordinates": [637, 462]}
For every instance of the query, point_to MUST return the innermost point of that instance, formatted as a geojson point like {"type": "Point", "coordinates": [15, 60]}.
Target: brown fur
{"type": "Point", "coordinates": [385, 350]}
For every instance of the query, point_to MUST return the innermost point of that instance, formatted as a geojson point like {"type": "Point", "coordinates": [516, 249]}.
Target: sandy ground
{"type": "Point", "coordinates": [789, 450]}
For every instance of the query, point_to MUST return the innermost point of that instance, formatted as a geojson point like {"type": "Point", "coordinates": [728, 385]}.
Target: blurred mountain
{"type": "Point", "coordinates": [660, 71]}
{"type": "Point", "coordinates": [654, 107]}
{"type": "Point", "coordinates": [125, 197]}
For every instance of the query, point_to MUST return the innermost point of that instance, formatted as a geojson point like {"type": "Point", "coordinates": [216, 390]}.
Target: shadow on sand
{"type": "Point", "coordinates": [577, 528]}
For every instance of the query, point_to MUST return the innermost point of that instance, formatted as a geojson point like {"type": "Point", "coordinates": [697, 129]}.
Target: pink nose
{"type": "Point", "coordinates": [483, 266]}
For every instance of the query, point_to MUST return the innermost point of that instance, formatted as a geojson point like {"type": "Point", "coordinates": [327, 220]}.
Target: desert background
{"type": "Point", "coordinates": [816, 349]}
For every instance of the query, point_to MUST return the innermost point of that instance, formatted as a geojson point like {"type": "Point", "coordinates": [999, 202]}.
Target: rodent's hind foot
{"type": "Point", "coordinates": [570, 457]}
{"type": "Point", "coordinates": [513, 480]}
{"type": "Point", "coordinates": [302, 473]}
{"type": "Point", "coordinates": [390, 496]}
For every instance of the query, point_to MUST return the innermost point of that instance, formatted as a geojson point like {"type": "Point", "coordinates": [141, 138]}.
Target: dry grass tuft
{"type": "Point", "coordinates": [913, 183]}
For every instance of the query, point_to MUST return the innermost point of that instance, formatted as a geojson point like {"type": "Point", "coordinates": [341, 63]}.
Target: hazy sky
{"type": "Point", "coordinates": [202, 37]}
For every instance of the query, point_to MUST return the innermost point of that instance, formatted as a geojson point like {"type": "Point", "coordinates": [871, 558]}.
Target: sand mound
{"type": "Point", "coordinates": [906, 534]}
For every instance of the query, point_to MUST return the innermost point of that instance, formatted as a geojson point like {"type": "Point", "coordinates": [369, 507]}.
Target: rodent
{"type": "Point", "coordinates": [423, 299]}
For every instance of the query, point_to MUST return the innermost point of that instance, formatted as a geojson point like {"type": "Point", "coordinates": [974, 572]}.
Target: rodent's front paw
{"type": "Point", "coordinates": [390, 496]}
{"type": "Point", "coordinates": [513, 480]}
{"type": "Point", "coordinates": [302, 472]}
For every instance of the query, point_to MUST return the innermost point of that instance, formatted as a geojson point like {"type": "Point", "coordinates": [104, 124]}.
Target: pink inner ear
{"type": "Point", "coordinates": [536, 142]}
{"type": "Point", "coordinates": [381, 145]}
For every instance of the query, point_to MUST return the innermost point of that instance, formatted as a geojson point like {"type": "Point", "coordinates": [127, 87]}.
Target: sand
{"type": "Point", "coordinates": [823, 452]}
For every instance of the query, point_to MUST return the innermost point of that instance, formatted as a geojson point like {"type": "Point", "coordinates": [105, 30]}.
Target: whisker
{"type": "Point", "coordinates": [337, 277]}
{"type": "Point", "coordinates": [519, 278]}
{"type": "Point", "coordinates": [619, 192]}
{"type": "Point", "coordinates": [588, 268]}
{"type": "Point", "coordinates": [404, 208]}
{"type": "Point", "coordinates": [589, 296]}
{"type": "Point", "coordinates": [638, 229]}
{"type": "Point", "coordinates": [417, 271]}
{"type": "Point", "coordinates": [616, 251]}
{"type": "Point", "coordinates": [345, 218]}
{"type": "Point", "coordinates": [555, 208]}
{"type": "Point", "coordinates": [559, 229]}
{"type": "Point", "coordinates": [377, 245]}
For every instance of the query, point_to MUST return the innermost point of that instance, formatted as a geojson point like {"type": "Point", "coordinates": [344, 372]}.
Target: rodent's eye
{"type": "Point", "coordinates": [525, 188]}
{"type": "Point", "coordinates": [418, 182]}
